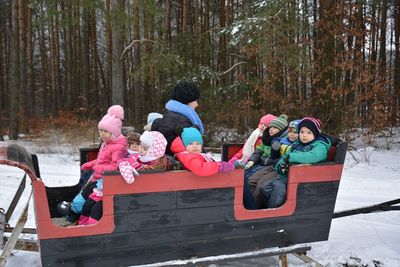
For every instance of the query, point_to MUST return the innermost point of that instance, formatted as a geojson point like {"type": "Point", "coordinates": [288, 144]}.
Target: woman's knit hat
{"type": "Point", "coordinates": [190, 135]}
{"type": "Point", "coordinates": [112, 121]}
{"type": "Point", "coordinates": [313, 124]}
{"type": "Point", "coordinates": [280, 123]}
{"type": "Point", "coordinates": [266, 120]}
{"type": "Point", "coordinates": [157, 143]}
{"type": "Point", "coordinates": [185, 92]}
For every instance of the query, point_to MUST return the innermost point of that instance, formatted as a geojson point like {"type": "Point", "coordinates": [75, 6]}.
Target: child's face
{"type": "Point", "coordinates": [194, 147]}
{"type": "Point", "coordinates": [105, 135]}
{"type": "Point", "coordinates": [134, 146]}
{"type": "Point", "coordinates": [262, 127]}
{"type": "Point", "coordinates": [143, 149]}
{"type": "Point", "coordinates": [273, 130]}
{"type": "Point", "coordinates": [306, 135]}
{"type": "Point", "coordinates": [293, 134]}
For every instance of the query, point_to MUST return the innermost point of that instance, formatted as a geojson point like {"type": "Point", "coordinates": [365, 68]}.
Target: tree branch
{"type": "Point", "coordinates": [139, 41]}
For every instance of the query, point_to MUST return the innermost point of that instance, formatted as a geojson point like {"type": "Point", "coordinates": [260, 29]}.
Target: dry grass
{"type": "Point", "coordinates": [62, 134]}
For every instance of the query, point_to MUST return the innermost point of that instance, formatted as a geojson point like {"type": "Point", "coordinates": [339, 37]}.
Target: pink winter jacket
{"type": "Point", "coordinates": [107, 159]}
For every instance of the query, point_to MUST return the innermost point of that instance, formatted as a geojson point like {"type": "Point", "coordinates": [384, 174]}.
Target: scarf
{"type": "Point", "coordinates": [248, 147]}
{"type": "Point", "coordinates": [187, 111]}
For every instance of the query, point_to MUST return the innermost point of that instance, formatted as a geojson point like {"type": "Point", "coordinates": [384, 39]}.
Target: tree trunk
{"type": "Point", "coordinates": [137, 90]}
{"type": "Point", "coordinates": [22, 64]}
{"type": "Point", "coordinates": [31, 84]}
{"type": "Point", "coordinates": [107, 88]}
{"type": "Point", "coordinates": [14, 74]}
{"type": "Point", "coordinates": [396, 85]}
{"type": "Point", "coordinates": [118, 83]}
{"type": "Point", "coordinates": [382, 47]}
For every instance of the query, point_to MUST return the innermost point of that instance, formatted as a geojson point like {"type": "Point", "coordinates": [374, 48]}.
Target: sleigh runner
{"type": "Point", "coordinates": [172, 215]}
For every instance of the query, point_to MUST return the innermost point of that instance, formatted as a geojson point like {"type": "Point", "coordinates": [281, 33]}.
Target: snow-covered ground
{"type": "Point", "coordinates": [370, 176]}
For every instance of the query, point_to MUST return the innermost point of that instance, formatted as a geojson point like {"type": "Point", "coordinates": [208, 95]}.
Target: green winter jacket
{"type": "Point", "coordinates": [314, 152]}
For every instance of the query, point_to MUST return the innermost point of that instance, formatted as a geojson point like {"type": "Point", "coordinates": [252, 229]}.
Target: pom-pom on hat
{"type": "Point", "coordinates": [190, 135]}
{"type": "Point", "coordinates": [280, 123]}
{"type": "Point", "coordinates": [112, 121]}
{"type": "Point", "coordinates": [185, 92]}
{"type": "Point", "coordinates": [313, 124]}
{"type": "Point", "coordinates": [266, 120]}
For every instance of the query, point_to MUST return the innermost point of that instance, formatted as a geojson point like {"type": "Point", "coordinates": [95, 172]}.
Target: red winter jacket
{"type": "Point", "coordinates": [107, 159]}
{"type": "Point", "coordinates": [198, 163]}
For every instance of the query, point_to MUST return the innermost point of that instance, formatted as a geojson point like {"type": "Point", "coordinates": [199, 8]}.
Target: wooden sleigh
{"type": "Point", "coordinates": [175, 215]}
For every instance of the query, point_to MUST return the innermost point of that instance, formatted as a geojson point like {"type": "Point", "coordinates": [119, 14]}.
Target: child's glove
{"type": "Point", "coordinates": [233, 160]}
{"type": "Point", "coordinates": [128, 172]}
{"type": "Point", "coordinates": [276, 145]}
{"type": "Point", "coordinates": [283, 166]}
{"type": "Point", "coordinates": [224, 166]}
{"type": "Point", "coordinates": [86, 167]}
{"type": "Point", "coordinates": [249, 164]}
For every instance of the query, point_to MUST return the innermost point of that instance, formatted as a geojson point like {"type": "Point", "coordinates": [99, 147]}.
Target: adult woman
{"type": "Point", "coordinates": [180, 113]}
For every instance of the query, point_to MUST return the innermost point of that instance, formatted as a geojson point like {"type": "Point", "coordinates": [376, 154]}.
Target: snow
{"type": "Point", "coordinates": [370, 176]}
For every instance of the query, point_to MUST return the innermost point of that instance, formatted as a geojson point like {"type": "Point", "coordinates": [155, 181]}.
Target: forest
{"type": "Point", "coordinates": [338, 60]}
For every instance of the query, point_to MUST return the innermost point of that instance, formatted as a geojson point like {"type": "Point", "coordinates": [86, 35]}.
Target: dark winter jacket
{"type": "Point", "coordinates": [263, 152]}
{"type": "Point", "coordinates": [170, 126]}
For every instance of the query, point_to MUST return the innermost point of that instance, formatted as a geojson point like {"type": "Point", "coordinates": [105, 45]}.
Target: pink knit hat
{"type": "Point", "coordinates": [157, 143]}
{"type": "Point", "coordinates": [112, 121]}
{"type": "Point", "coordinates": [266, 120]}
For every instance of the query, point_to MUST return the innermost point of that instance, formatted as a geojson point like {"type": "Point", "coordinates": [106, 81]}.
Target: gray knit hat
{"type": "Point", "coordinates": [280, 123]}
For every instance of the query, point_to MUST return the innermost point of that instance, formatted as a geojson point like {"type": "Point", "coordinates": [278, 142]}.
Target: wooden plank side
{"type": "Point", "coordinates": [173, 218]}
{"type": "Point", "coordinates": [144, 202]}
{"type": "Point", "coordinates": [114, 256]}
{"type": "Point", "coordinates": [154, 237]}
{"type": "Point", "coordinates": [316, 197]}
{"type": "Point", "coordinates": [205, 197]}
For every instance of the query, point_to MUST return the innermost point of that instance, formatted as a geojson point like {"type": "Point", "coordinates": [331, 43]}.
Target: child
{"type": "Point", "coordinates": [188, 150]}
{"type": "Point", "coordinates": [311, 147]}
{"type": "Point", "coordinates": [254, 140]}
{"type": "Point", "coordinates": [277, 128]}
{"type": "Point", "coordinates": [150, 118]}
{"type": "Point", "coordinates": [112, 149]}
{"type": "Point", "coordinates": [133, 143]}
{"type": "Point", "coordinates": [280, 146]}
{"type": "Point", "coordinates": [151, 156]}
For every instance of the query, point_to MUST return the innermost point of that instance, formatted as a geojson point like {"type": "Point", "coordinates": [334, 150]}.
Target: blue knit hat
{"type": "Point", "coordinates": [294, 124]}
{"type": "Point", "coordinates": [190, 135]}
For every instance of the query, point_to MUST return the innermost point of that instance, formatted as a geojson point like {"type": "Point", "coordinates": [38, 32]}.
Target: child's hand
{"type": "Point", "coordinates": [128, 172]}
{"type": "Point", "coordinates": [276, 145]}
{"type": "Point", "coordinates": [284, 165]}
{"type": "Point", "coordinates": [233, 160]}
{"type": "Point", "coordinates": [85, 167]}
{"type": "Point", "coordinates": [224, 166]}
{"type": "Point", "coordinates": [249, 164]}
